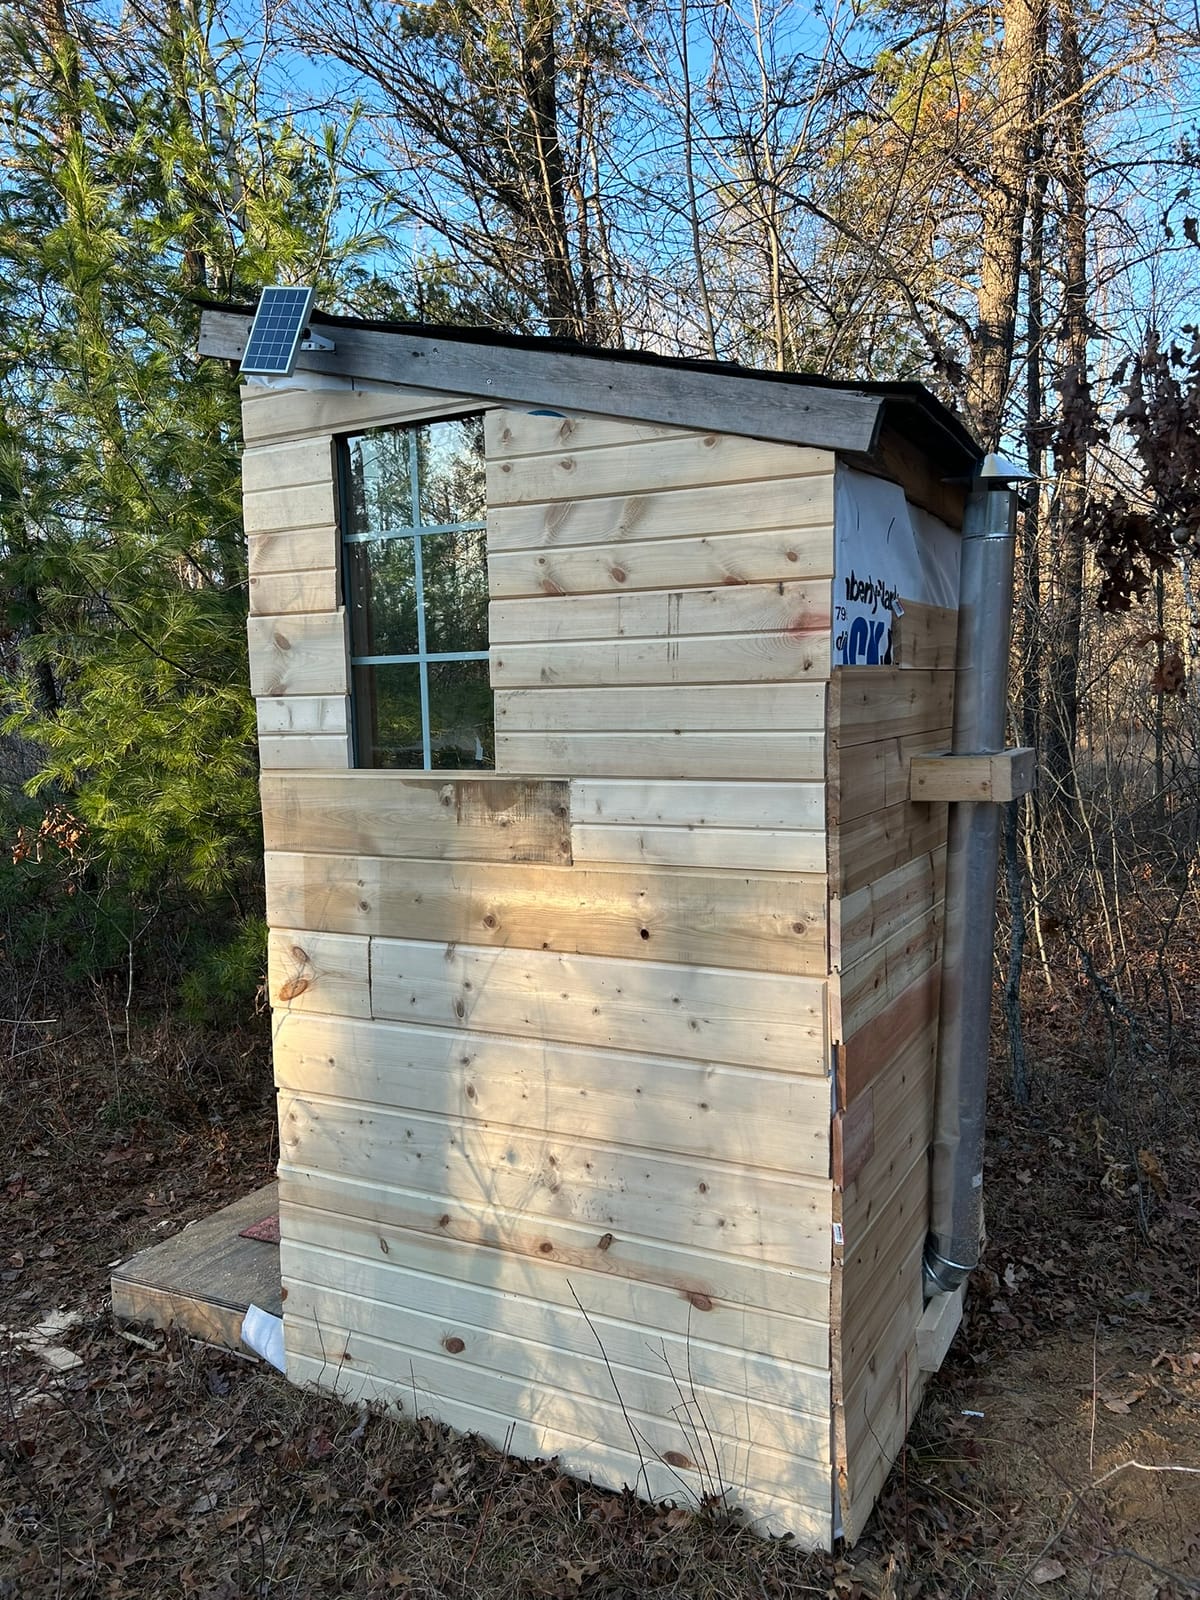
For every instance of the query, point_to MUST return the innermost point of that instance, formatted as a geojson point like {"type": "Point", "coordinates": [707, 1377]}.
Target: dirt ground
{"type": "Point", "coordinates": [1057, 1454]}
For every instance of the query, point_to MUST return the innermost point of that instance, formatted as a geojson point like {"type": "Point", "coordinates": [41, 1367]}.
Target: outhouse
{"type": "Point", "coordinates": [605, 932]}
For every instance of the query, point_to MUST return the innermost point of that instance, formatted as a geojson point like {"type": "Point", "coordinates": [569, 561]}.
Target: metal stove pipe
{"type": "Point", "coordinates": [980, 697]}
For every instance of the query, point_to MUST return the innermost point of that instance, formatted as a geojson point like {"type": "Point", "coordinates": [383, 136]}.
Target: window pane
{"type": "Point", "coordinates": [456, 590]}
{"type": "Point", "coordinates": [461, 731]}
{"type": "Point", "coordinates": [378, 487]}
{"type": "Point", "coordinates": [451, 471]}
{"type": "Point", "coordinates": [381, 591]}
{"type": "Point", "coordinates": [387, 716]}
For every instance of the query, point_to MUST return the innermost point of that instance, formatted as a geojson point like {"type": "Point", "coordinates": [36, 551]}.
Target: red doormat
{"type": "Point", "coordinates": [267, 1230]}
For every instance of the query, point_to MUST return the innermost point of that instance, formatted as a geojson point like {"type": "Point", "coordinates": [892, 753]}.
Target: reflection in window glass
{"type": "Point", "coordinates": [450, 463]}
{"type": "Point", "coordinates": [387, 716]}
{"type": "Point", "coordinates": [381, 591]}
{"type": "Point", "coordinates": [456, 590]}
{"type": "Point", "coordinates": [460, 714]}
{"type": "Point", "coordinates": [414, 508]}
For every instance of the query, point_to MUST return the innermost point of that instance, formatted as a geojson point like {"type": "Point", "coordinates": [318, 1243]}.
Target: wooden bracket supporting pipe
{"type": "Point", "coordinates": [960, 1096]}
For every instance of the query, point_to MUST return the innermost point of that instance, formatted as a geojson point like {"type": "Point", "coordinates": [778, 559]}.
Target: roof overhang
{"type": "Point", "coordinates": [517, 369]}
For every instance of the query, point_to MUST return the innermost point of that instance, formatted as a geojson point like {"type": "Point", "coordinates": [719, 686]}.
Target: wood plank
{"type": "Point", "coordinates": [607, 384]}
{"type": "Point", "coordinates": [309, 505]}
{"type": "Point", "coordinates": [326, 972]}
{"type": "Point", "coordinates": [380, 1294]}
{"type": "Point", "coordinates": [772, 707]}
{"type": "Point", "coordinates": [328, 713]}
{"type": "Point", "coordinates": [284, 466]}
{"type": "Point", "coordinates": [872, 703]}
{"type": "Point", "coordinates": [870, 777]}
{"type": "Point", "coordinates": [862, 921]}
{"type": "Point", "coordinates": [723, 849]}
{"type": "Point", "coordinates": [935, 1332]}
{"type": "Point", "coordinates": [269, 416]}
{"type": "Point", "coordinates": [699, 805]}
{"type": "Point", "coordinates": [699, 1108]}
{"type": "Point", "coordinates": [867, 1399]}
{"type": "Point", "coordinates": [777, 556]}
{"type": "Point", "coordinates": [511, 433]}
{"type": "Point", "coordinates": [924, 480]}
{"type": "Point", "coordinates": [880, 1269]}
{"type": "Point", "coordinates": [763, 924]}
{"type": "Point", "coordinates": [785, 504]}
{"type": "Point", "coordinates": [889, 967]}
{"type": "Point", "coordinates": [992, 779]}
{"type": "Point", "coordinates": [901, 1100]}
{"type": "Point", "coordinates": [299, 655]}
{"type": "Point", "coordinates": [547, 1350]}
{"type": "Point", "coordinates": [687, 461]}
{"type": "Point", "coordinates": [655, 614]}
{"type": "Point", "coordinates": [320, 752]}
{"type": "Point", "coordinates": [764, 1216]}
{"type": "Point", "coordinates": [876, 845]}
{"type": "Point", "coordinates": [756, 1019]}
{"type": "Point", "coordinates": [853, 1139]}
{"type": "Point", "coordinates": [660, 1292]}
{"type": "Point", "coordinates": [203, 1277]}
{"type": "Point", "coordinates": [925, 636]}
{"type": "Point", "coordinates": [498, 1372]}
{"type": "Point", "coordinates": [663, 755]}
{"type": "Point", "coordinates": [867, 1051]}
{"type": "Point", "coordinates": [809, 1520]}
{"type": "Point", "coordinates": [434, 816]}
{"type": "Point", "coordinates": [293, 550]}
{"type": "Point", "coordinates": [732, 658]}
{"type": "Point", "coordinates": [274, 594]}
{"type": "Point", "coordinates": [714, 1290]}
{"type": "Point", "coordinates": [878, 1413]}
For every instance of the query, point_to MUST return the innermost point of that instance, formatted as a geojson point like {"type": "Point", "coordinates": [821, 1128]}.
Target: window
{"type": "Point", "coordinates": [415, 553]}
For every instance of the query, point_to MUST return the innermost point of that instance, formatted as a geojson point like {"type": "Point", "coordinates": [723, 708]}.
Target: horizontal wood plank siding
{"type": "Point", "coordinates": [641, 914]}
{"type": "Point", "coordinates": [887, 860]}
{"type": "Point", "coordinates": [271, 416]}
{"type": "Point", "coordinates": [429, 816]}
{"type": "Point", "coordinates": [759, 708]}
{"type": "Point", "coordinates": [683, 460]}
{"type": "Point", "coordinates": [722, 757]}
{"type": "Point", "coordinates": [689, 1107]}
{"type": "Point", "coordinates": [680, 564]}
{"type": "Point", "coordinates": [299, 655]}
{"type": "Point", "coordinates": [785, 1310]}
{"type": "Point", "coordinates": [620, 1280]}
{"type": "Point", "coordinates": [762, 1019]}
{"type": "Point", "coordinates": [551, 1044]}
{"type": "Point", "coordinates": [662, 1470]}
{"type": "Point", "coordinates": [662, 614]}
{"type": "Point", "coordinates": [730, 658]}
{"type": "Point", "coordinates": [304, 714]}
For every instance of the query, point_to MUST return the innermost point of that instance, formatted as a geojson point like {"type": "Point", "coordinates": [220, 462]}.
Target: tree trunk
{"type": "Point", "coordinates": [1075, 425]}
{"type": "Point", "coordinates": [539, 72]}
{"type": "Point", "coordinates": [1018, 73]}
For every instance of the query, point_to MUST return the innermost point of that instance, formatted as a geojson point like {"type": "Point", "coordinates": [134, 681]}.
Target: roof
{"type": "Point", "coordinates": [528, 369]}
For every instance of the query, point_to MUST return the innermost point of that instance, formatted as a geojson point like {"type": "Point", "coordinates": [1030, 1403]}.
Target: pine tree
{"type": "Point", "coordinates": [138, 174]}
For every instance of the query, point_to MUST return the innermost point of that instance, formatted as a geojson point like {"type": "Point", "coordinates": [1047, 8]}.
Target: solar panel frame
{"type": "Point", "coordinates": [276, 332]}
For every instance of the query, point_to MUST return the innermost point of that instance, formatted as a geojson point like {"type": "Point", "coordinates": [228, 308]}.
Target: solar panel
{"type": "Point", "coordinates": [276, 331]}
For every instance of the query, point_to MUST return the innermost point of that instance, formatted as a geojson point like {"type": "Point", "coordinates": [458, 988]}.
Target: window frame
{"type": "Point", "coordinates": [416, 533]}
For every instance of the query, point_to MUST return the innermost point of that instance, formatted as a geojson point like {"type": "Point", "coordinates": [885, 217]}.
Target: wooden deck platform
{"type": "Point", "coordinates": [203, 1278]}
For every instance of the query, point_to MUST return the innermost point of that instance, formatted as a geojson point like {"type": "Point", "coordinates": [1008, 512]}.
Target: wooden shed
{"type": "Point", "coordinates": [605, 935]}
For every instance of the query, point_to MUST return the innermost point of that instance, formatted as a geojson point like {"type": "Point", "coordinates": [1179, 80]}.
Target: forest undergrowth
{"type": "Point", "coordinates": [1057, 1453]}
